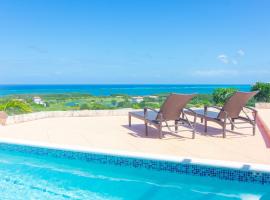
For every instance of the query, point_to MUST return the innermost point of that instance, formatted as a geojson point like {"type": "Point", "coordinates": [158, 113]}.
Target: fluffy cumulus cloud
{"type": "Point", "coordinates": [234, 61]}
{"type": "Point", "coordinates": [223, 58]}
{"type": "Point", "coordinates": [231, 59]}
{"type": "Point", "coordinates": [240, 52]}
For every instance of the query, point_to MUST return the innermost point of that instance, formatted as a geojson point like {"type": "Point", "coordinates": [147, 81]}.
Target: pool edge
{"type": "Point", "coordinates": [244, 166]}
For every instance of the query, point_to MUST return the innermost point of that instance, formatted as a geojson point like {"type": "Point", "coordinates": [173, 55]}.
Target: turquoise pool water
{"type": "Point", "coordinates": [27, 176]}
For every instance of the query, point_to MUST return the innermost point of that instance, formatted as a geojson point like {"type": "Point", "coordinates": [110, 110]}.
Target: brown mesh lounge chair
{"type": "Point", "coordinates": [171, 110]}
{"type": "Point", "coordinates": [230, 112]}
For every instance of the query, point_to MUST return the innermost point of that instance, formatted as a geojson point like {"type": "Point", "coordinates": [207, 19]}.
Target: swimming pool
{"type": "Point", "coordinates": [39, 173]}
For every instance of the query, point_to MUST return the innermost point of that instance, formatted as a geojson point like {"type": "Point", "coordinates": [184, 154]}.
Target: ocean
{"type": "Point", "coordinates": [104, 90]}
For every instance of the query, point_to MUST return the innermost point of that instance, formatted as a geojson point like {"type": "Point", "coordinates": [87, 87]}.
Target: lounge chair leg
{"type": "Point", "coordinates": [160, 132]}
{"type": "Point", "coordinates": [193, 134]}
{"type": "Point", "coordinates": [224, 127]}
{"type": "Point", "coordinates": [205, 125]}
{"type": "Point", "coordinates": [194, 127]}
{"type": "Point", "coordinates": [193, 131]}
{"type": "Point", "coordinates": [175, 126]}
{"type": "Point", "coordinates": [146, 128]}
{"type": "Point", "coordinates": [254, 129]}
{"type": "Point", "coordinates": [129, 120]}
{"type": "Point", "coordinates": [224, 130]}
{"type": "Point", "coordinates": [232, 125]}
{"type": "Point", "coordinates": [254, 123]}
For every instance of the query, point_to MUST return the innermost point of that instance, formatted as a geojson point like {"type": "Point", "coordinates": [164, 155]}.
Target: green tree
{"type": "Point", "coordinates": [84, 106]}
{"type": "Point", "coordinates": [221, 95]}
{"type": "Point", "coordinates": [96, 106]}
{"type": "Point", "coordinates": [201, 100]}
{"type": "Point", "coordinates": [136, 106]}
{"type": "Point", "coordinates": [114, 102]}
{"type": "Point", "coordinates": [264, 91]}
{"type": "Point", "coordinates": [15, 106]}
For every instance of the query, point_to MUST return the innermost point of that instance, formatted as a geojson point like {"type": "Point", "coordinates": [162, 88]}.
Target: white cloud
{"type": "Point", "coordinates": [240, 52]}
{"type": "Point", "coordinates": [231, 59]}
{"type": "Point", "coordinates": [213, 72]}
{"type": "Point", "coordinates": [235, 62]}
{"type": "Point", "coordinates": [223, 58]}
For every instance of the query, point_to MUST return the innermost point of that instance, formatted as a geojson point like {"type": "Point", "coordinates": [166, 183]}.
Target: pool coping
{"type": "Point", "coordinates": [243, 166]}
{"type": "Point", "coordinates": [262, 125]}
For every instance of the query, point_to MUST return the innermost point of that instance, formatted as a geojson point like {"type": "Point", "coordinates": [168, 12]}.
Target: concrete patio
{"type": "Point", "coordinates": [113, 133]}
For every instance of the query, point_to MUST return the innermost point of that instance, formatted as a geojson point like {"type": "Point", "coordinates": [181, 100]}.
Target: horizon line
{"type": "Point", "coordinates": [15, 84]}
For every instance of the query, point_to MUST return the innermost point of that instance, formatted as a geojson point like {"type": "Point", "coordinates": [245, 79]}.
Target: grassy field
{"type": "Point", "coordinates": [75, 101]}
{"type": "Point", "coordinates": [17, 104]}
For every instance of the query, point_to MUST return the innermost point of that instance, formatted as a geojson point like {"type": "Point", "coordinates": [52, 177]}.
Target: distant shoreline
{"type": "Point", "coordinates": [112, 89]}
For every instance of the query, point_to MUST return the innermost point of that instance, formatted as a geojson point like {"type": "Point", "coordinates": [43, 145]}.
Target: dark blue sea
{"type": "Point", "coordinates": [104, 90]}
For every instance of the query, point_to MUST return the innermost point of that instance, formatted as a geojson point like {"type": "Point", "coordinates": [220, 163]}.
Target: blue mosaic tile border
{"type": "Point", "coordinates": [157, 165]}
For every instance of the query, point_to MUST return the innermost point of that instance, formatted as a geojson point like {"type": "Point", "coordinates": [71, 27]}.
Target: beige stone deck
{"type": "Point", "coordinates": [265, 116]}
{"type": "Point", "coordinates": [112, 132]}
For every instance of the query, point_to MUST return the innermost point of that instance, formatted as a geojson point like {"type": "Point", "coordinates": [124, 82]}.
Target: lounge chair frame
{"type": "Point", "coordinates": [162, 121]}
{"type": "Point", "coordinates": [228, 114]}
{"type": "Point", "coordinates": [232, 121]}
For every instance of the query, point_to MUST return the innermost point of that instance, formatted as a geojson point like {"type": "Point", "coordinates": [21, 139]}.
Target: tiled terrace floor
{"type": "Point", "coordinates": [112, 132]}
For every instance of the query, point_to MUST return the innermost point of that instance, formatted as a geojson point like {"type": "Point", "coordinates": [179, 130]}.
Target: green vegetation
{"type": "Point", "coordinates": [264, 91]}
{"type": "Point", "coordinates": [221, 95]}
{"type": "Point", "coordinates": [16, 104]}
{"type": "Point", "coordinates": [74, 101]}
{"type": "Point", "coordinates": [201, 100]}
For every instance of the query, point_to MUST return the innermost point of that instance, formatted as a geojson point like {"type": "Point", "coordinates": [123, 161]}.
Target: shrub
{"type": "Point", "coordinates": [15, 107]}
{"type": "Point", "coordinates": [153, 105]}
{"type": "Point", "coordinates": [96, 106]}
{"type": "Point", "coordinates": [201, 100]}
{"type": "Point", "coordinates": [114, 102]}
{"type": "Point", "coordinates": [84, 107]}
{"type": "Point", "coordinates": [136, 106]}
{"type": "Point", "coordinates": [221, 95]}
{"type": "Point", "coordinates": [264, 91]}
{"type": "Point", "coordinates": [124, 104]}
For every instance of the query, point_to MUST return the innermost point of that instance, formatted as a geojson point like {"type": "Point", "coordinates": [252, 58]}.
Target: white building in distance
{"type": "Point", "coordinates": [137, 99]}
{"type": "Point", "coordinates": [38, 100]}
{"type": "Point", "coordinates": [153, 97]}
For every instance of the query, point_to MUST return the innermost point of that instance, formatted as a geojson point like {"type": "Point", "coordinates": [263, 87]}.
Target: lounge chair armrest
{"type": "Point", "coordinates": [254, 113]}
{"type": "Point", "coordinates": [146, 109]}
{"type": "Point", "coordinates": [216, 107]}
{"type": "Point", "coordinates": [251, 109]}
{"type": "Point", "coordinates": [190, 111]}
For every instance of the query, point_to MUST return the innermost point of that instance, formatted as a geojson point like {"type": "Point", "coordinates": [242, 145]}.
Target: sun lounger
{"type": "Point", "coordinates": [234, 109]}
{"type": "Point", "coordinates": [171, 110]}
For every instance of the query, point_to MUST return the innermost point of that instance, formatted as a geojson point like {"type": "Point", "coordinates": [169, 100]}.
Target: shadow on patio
{"type": "Point", "coordinates": [138, 130]}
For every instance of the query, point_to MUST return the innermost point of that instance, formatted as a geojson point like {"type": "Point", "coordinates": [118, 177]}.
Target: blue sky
{"type": "Point", "coordinates": [134, 41]}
